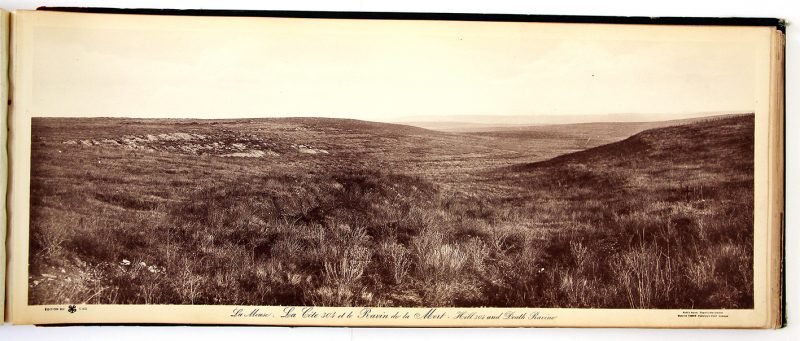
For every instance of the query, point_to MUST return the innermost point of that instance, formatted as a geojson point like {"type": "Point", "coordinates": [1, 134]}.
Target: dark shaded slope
{"type": "Point", "coordinates": [718, 146]}
{"type": "Point", "coordinates": [728, 139]}
{"type": "Point", "coordinates": [663, 219]}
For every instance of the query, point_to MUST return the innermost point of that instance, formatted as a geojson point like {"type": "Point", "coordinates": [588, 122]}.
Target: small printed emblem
{"type": "Point", "coordinates": [72, 309]}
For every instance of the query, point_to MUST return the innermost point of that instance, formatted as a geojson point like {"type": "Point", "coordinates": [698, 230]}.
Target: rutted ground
{"type": "Point", "coordinates": [227, 144]}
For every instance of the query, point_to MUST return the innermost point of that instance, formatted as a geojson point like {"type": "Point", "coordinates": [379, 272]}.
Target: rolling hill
{"type": "Point", "coordinates": [673, 199]}
{"type": "Point", "coordinates": [729, 140]}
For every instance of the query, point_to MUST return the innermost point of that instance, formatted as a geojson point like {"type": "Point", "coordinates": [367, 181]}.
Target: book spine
{"type": "Point", "coordinates": [777, 183]}
{"type": "Point", "coordinates": [4, 40]}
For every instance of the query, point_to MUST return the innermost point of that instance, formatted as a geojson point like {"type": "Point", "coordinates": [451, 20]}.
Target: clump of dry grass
{"type": "Point", "coordinates": [395, 260]}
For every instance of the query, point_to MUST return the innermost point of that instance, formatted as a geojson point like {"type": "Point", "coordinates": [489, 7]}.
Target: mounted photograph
{"type": "Point", "coordinates": [471, 172]}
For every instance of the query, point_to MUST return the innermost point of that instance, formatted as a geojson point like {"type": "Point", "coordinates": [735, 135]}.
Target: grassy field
{"type": "Point", "coordinates": [331, 212]}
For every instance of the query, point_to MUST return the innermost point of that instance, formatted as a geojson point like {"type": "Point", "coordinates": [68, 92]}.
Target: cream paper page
{"type": "Point", "coordinates": [170, 67]}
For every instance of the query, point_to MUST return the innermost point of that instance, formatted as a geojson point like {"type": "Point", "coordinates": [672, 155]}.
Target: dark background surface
{"type": "Point", "coordinates": [768, 8]}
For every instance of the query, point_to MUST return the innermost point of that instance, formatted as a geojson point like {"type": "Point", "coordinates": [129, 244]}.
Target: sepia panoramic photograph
{"type": "Point", "coordinates": [386, 163]}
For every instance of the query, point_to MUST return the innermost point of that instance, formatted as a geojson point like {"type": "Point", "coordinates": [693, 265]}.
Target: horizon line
{"type": "Point", "coordinates": [408, 120]}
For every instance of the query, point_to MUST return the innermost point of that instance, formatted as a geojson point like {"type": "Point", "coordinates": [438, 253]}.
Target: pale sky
{"type": "Point", "coordinates": [136, 66]}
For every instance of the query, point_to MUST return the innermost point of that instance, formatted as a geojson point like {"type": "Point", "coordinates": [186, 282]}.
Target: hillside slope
{"type": "Point", "coordinates": [664, 202]}
{"type": "Point", "coordinates": [701, 139]}
{"type": "Point", "coordinates": [696, 151]}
